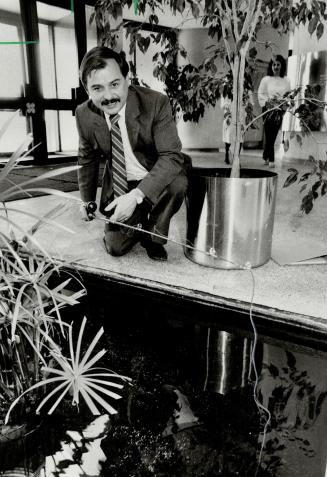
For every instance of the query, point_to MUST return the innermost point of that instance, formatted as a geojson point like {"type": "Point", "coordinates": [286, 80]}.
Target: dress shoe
{"type": "Point", "coordinates": [156, 251]}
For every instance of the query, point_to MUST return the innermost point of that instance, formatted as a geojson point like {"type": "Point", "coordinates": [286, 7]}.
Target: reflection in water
{"type": "Point", "coordinates": [171, 425]}
{"type": "Point", "coordinates": [80, 453]}
{"type": "Point", "coordinates": [228, 361]}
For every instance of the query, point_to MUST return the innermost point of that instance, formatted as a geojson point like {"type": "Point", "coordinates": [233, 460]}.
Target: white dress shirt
{"type": "Point", "coordinates": [134, 169]}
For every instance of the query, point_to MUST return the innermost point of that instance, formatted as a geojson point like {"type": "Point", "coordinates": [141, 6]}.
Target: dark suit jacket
{"type": "Point", "coordinates": [154, 140]}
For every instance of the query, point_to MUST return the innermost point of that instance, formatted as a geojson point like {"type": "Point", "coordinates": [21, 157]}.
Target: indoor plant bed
{"type": "Point", "coordinates": [42, 360]}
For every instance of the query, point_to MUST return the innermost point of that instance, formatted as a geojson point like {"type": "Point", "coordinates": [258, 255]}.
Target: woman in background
{"type": "Point", "coordinates": [273, 86]}
{"type": "Point", "coordinates": [226, 106]}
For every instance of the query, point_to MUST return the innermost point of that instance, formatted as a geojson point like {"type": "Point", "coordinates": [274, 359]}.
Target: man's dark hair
{"type": "Point", "coordinates": [95, 59]}
{"type": "Point", "coordinates": [282, 62]}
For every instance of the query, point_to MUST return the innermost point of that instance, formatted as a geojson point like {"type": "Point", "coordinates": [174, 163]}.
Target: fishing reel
{"type": "Point", "coordinates": [90, 209]}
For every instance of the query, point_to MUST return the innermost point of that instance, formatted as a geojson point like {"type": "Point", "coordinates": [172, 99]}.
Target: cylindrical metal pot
{"type": "Point", "coordinates": [230, 219]}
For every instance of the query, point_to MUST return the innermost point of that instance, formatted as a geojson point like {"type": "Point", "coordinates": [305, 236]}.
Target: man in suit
{"type": "Point", "coordinates": [148, 143]}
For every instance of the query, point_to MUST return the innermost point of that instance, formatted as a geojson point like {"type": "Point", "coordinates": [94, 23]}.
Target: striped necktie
{"type": "Point", "coordinates": [118, 160]}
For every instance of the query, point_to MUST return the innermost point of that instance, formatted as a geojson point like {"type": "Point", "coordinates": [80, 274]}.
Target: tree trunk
{"type": "Point", "coordinates": [237, 112]}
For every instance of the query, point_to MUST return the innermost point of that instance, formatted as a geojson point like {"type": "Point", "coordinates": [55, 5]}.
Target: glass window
{"type": "Point", "coordinates": [51, 122]}
{"type": "Point", "coordinates": [11, 55]}
{"type": "Point", "coordinates": [66, 60]}
{"type": "Point", "coordinates": [15, 134]}
{"type": "Point", "coordinates": [91, 31]}
{"type": "Point", "coordinates": [48, 77]}
{"type": "Point", "coordinates": [61, 129]}
{"type": "Point", "coordinates": [68, 131]}
{"type": "Point", "coordinates": [60, 66]}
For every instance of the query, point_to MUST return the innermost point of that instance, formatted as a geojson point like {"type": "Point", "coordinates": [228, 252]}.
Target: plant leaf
{"type": "Point", "coordinates": [291, 179]}
{"type": "Point", "coordinates": [16, 155]}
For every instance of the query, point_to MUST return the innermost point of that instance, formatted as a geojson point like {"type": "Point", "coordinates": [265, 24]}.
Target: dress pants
{"type": "Point", "coordinates": [272, 124]}
{"type": "Point", "coordinates": [119, 240]}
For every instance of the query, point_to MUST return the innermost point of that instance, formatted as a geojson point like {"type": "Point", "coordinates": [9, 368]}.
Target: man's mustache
{"type": "Point", "coordinates": [105, 102]}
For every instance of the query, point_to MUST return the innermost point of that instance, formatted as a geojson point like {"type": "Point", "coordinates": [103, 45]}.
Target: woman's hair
{"type": "Point", "coordinates": [282, 62]}
{"type": "Point", "coordinates": [95, 59]}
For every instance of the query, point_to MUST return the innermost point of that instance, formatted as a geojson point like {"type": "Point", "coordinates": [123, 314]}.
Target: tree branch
{"type": "Point", "coordinates": [249, 16]}
{"type": "Point", "coordinates": [223, 17]}
{"type": "Point", "coordinates": [235, 22]}
{"type": "Point", "coordinates": [253, 25]}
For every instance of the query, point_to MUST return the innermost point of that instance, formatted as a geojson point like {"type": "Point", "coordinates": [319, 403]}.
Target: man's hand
{"type": "Point", "coordinates": [125, 205]}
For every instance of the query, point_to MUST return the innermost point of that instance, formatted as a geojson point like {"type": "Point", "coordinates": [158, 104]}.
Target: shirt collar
{"type": "Point", "coordinates": [121, 114]}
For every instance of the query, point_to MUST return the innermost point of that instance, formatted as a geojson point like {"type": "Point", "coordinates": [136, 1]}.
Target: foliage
{"type": "Point", "coordinates": [34, 289]}
{"type": "Point", "coordinates": [295, 404]}
{"type": "Point", "coordinates": [314, 183]}
{"type": "Point", "coordinates": [75, 375]}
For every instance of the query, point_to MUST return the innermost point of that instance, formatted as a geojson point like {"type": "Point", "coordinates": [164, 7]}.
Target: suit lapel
{"type": "Point", "coordinates": [131, 117]}
{"type": "Point", "coordinates": [100, 128]}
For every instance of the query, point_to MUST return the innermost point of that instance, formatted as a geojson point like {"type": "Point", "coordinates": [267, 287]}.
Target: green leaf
{"type": "Point", "coordinates": [299, 139]}
{"type": "Point", "coordinates": [315, 187]}
{"type": "Point", "coordinates": [320, 30]}
{"type": "Point", "coordinates": [313, 24]}
{"type": "Point", "coordinates": [305, 176]}
{"type": "Point", "coordinates": [46, 175]}
{"type": "Point", "coordinates": [291, 361]}
{"type": "Point", "coordinates": [153, 19]}
{"type": "Point", "coordinates": [286, 145]}
{"type": "Point", "coordinates": [91, 18]}
{"type": "Point", "coordinates": [195, 10]}
{"type": "Point", "coordinates": [291, 179]}
{"type": "Point", "coordinates": [180, 5]}
{"type": "Point", "coordinates": [15, 156]}
{"type": "Point", "coordinates": [307, 203]}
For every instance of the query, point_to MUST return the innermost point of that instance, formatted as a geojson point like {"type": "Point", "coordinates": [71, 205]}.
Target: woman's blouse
{"type": "Point", "coordinates": [272, 87]}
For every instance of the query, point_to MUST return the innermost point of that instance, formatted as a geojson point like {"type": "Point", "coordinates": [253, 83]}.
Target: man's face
{"type": "Point", "coordinates": [107, 88]}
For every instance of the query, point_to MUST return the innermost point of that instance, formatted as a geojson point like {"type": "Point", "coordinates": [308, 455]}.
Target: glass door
{"type": "Point", "coordinates": [13, 76]}
{"type": "Point", "coordinates": [40, 52]}
{"type": "Point", "coordinates": [59, 76]}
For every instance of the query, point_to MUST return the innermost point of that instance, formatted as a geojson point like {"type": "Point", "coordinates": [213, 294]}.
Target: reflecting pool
{"type": "Point", "coordinates": [194, 409]}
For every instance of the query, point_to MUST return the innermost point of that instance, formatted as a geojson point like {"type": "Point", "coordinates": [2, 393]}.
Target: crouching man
{"type": "Point", "coordinates": [133, 130]}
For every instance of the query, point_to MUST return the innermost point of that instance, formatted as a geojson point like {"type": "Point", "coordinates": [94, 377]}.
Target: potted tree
{"type": "Point", "coordinates": [231, 213]}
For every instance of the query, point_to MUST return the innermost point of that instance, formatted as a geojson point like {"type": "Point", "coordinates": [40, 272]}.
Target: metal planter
{"type": "Point", "coordinates": [230, 221]}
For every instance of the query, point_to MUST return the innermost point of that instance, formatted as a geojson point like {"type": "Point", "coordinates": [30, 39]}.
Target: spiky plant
{"type": "Point", "coordinates": [33, 291]}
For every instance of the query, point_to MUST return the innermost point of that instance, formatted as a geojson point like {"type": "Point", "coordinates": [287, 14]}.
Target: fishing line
{"type": "Point", "coordinates": [259, 405]}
